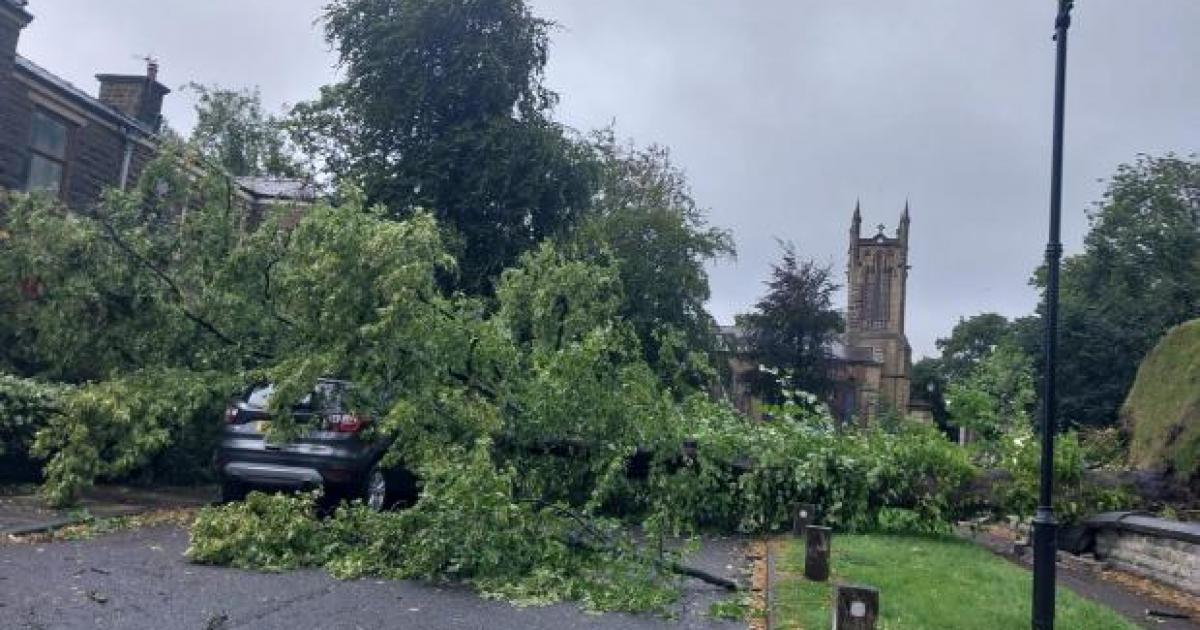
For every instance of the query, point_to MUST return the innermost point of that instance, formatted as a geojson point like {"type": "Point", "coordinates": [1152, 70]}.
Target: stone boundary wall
{"type": "Point", "coordinates": [1163, 550]}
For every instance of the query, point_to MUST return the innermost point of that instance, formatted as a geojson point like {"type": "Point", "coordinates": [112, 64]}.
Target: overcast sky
{"type": "Point", "coordinates": [783, 112]}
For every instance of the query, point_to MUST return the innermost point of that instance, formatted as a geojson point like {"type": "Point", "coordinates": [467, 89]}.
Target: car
{"type": "Point", "coordinates": [336, 453]}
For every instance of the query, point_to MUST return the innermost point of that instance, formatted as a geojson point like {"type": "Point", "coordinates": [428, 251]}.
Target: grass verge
{"type": "Point", "coordinates": [925, 583]}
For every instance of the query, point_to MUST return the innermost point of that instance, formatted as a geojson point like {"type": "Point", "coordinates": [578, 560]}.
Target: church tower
{"type": "Point", "coordinates": [876, 279]}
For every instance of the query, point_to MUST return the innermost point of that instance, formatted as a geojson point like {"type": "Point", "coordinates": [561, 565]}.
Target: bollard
{"type": "Point", "coordinates": [855, 607]}
{"type": "Point", "coordinates": [816, 553]}
{"type": "Point", "coordinates": [802, 517]}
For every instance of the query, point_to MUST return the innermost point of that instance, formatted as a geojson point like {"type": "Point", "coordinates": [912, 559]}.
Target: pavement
{"type": "Point", "coordinates": [139, 579]}
{"type": "Point", "coordinates": [1086, 582]}
{"type": "Point", "coordinates": [25, 512]}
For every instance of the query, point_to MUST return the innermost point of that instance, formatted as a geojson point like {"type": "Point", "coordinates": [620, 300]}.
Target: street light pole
{"type": "Point", "coordinates": [1045, 534]}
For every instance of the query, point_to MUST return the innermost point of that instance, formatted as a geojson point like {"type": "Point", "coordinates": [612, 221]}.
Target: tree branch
{"type": "Point", "coordinates": [267, 294]}
{"type": "Point", "coordinates": [612, 547]}
{"type": "Point", "coordinates": [560, 302]}
{"type": "Point", "coordinates": [170, 282]}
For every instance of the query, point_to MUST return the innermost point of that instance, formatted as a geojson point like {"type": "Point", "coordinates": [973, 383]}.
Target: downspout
{"type": "Point", "coordinates": [143, 102]}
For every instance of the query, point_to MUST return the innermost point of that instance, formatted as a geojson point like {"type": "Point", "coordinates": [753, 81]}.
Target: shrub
{"type": "Point", "coordinates": [1162, 412]}
{"type": "Point", "coordinates": [26, 406]}
{"type": "Point", "coordinates": [1103, 447]}
{"type": "Point", "coordinates": [1016, 493]}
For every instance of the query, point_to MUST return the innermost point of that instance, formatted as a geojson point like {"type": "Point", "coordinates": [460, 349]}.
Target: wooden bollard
{"type": "Point", "coordinates": [855, 607]}
{"type": "Point", "coordinates": [801, 519]}
{"type": "Point", "coordinates": [816, 553]}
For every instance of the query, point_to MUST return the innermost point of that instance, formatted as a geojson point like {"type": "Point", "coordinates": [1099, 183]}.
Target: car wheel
{"type": "Point", "coordinates": [232, 491]}
{"type": "Point", "coordinates": [378, 490]}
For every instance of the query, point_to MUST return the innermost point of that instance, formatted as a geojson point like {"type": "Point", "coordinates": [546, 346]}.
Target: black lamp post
{"type": "Point", "coordinates": [1044, 526]}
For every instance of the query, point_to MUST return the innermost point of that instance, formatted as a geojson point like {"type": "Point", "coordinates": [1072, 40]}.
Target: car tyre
{"type": "Point", "coordinates": [232, 491]}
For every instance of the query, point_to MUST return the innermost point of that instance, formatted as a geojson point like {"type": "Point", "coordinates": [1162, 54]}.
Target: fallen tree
{"type": "Point", "coordinates": [521, 415]}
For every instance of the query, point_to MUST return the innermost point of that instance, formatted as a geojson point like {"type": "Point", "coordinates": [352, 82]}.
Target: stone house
{"type": "Point", "coordinates": [58, 139]}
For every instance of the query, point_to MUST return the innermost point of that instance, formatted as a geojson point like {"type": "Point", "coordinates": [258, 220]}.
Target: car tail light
{"type": "Point", "coordinates": [345, 423]}
{"type": "Point", "coordinates": [231, 414]}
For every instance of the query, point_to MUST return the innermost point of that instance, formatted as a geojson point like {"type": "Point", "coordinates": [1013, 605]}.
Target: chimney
{"type": "Point", "coordinates": [13, 18]}
{"type": "Point", "coordinates": [14, 134]}
{"type": "Point", "coordinates": [140, 97]}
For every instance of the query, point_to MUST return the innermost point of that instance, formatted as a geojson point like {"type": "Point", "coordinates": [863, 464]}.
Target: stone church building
{"type": "Point", "coordinates": [871, 362]}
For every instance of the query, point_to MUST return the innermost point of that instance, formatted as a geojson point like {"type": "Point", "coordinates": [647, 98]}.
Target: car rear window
{"type": "Point", "coordinates": [260, 397]}
{"type": "Point", "coordinates": [327, 395]}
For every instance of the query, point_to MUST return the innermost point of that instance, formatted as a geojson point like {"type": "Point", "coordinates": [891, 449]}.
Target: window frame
{"type": "Point", "coordinates": [64, 161]}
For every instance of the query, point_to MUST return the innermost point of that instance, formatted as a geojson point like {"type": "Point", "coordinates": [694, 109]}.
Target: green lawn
{"type": "Point", "coordinates": [925, 583]}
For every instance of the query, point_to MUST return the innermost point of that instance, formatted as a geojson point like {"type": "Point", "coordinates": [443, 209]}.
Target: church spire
{"type": "Point", "coordinates": [902, 231]}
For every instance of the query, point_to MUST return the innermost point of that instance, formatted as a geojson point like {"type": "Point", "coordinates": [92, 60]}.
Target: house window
{"type": "Point", "coordinates": [47, 154]}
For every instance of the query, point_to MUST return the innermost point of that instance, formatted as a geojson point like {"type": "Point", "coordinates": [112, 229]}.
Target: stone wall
{"type": "Point", "coordinates": [1163, 550]}
{"type": "Point", "coordinates": [15, 121]}
{"type": "Point", "coordinates": [97, 154]}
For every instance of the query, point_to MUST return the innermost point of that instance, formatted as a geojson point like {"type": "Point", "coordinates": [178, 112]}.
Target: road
{"type": "Point", "coordinates": [139, 579]}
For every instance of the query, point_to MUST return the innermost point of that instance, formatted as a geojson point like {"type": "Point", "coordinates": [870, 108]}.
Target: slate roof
{"type": "Point", "coordinates": [278, 188]}
{"type": "Point", "coordinates": [730, 331]}
{"type": "Point", "coordinates": [79, 96]}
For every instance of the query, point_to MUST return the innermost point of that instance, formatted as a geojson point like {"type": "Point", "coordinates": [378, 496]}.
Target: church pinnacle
{"type": "Point", "coordinates": [855, 227]}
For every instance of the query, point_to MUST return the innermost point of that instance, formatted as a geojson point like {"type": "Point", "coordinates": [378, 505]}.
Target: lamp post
{"type": "Point", "coordinates": [1044, 526]}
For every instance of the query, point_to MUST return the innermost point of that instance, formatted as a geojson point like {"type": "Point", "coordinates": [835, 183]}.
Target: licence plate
{"type": "Point", "coordinates": [261, 426]}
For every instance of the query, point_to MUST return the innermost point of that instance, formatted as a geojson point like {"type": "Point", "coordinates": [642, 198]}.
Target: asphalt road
{"type": "Point", "coordinates": [139, 579]}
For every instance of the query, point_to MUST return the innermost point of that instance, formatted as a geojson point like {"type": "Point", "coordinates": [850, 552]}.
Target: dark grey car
{"type": "Point", "coordinates": [337, 452]}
